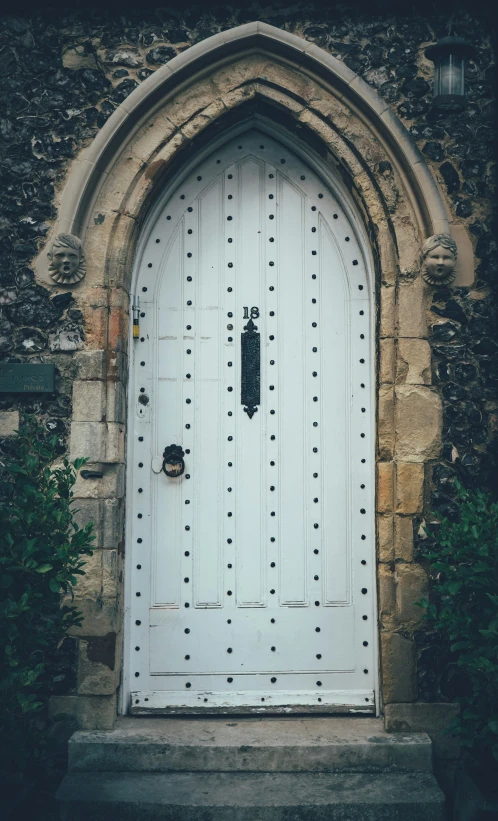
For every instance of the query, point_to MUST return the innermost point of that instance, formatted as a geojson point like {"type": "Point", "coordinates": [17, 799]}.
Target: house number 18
{"type": "Point", "coordinates": [253, 315]}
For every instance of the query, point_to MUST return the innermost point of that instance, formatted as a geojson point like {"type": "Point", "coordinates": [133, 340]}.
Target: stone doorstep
{"type": "Point", "coordinates": [249, 745]}
{"type": "Point", "coordinates": [250, 797]}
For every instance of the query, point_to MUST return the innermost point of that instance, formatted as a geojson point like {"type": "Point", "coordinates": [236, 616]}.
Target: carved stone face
{"type": "Point", "coordinates": [440, 263]}
{"type": "Point", "coordinates": [65, 260]}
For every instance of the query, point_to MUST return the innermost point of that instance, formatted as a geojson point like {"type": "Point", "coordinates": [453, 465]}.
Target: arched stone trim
{"type": "Point", "coordinates": [113, 185]}
{"type": "Point", "coordinates": [92, 168]}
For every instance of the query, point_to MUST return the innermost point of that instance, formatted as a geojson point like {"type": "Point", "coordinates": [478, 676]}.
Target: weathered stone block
{"type": "Point", "coordinates": [398, 668]}
{"type": "Point", "coordinates": [115, 443]}
{"type": "Point", "coordinates": [387, 310]}
{"type": "Point", "coordinates": [106, 516]}
{"type": "Point", "coordinates": [90, 364]}
{"type": "Point", "coordinates": [117, 366]}
{"type": "Point", "coordinates": [403, 538]}
{"type": "Point", "coordinates": [100, 616]}
{"type": "Point", "coordinates": [387, 596]}
{"type": "Point", "coordinates": [411, 586]}
{"type": "Point", "coordinates": [418, 422]}
{"type": "Point", "coordinates": [116, 402]}
{"type": "Point", "coordinates": [385, 487]}
{"type": "Point", "coordinates": [409, 487]}
{"type": "Point", "coordinates": [433, 719]}
{"type": "Point", "coordinates": [110, 578]}
{"type": "Point", "coordinates": [99, 664]}
{"type": "Point", "coordinates": [413, 364]}
{"type": "Point", "coordinates": [385, 536]}
{"type": "Point", "coordinates": [88, 441]}
{"type": "Point", "coordinates": [387, 360]}
{"type": "Point", "coordinates": [89, 586]}
{"type": "Point", "coordinates": [89, 511]}
{"type": "Point", "coordinates": [90, 712]}
{"type": "Point", "coordinates": [95, 325]}
{"type": "Point", "coordinates": [385, 431]}
{"type": "Point", "coordinates": [110, 486]}
{"type": "Point", "coordinates": [89, 397]}
{"type": "Point", "coordinates": [9, 422]}
{"type": "Point", "coordinates": [411, 309]}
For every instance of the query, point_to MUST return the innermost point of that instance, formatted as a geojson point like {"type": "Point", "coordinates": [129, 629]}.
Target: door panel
{"type": "Point", "coordinates": [252, 573]}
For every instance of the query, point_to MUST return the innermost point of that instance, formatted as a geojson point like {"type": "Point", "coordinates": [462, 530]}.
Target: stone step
{"type": "Point", "coordinates": [250, 797]}
{"type": "Point", "coordinates": [249, 745]}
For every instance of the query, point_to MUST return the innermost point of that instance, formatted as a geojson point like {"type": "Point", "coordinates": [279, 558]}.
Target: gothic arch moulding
{"type": "Point", "coordinates": [112, 183]}
{"type": "Point", "coordinates": [257, 70]}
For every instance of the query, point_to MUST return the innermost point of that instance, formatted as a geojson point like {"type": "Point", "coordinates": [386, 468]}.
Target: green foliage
{"type": "Point", "coordinates": [41, 558]}
{"type": "Point", "coordinates": [463, 558]}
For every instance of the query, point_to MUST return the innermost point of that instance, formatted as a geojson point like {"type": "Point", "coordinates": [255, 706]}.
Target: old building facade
{"type": "Point", "coordinates": [122, 137]}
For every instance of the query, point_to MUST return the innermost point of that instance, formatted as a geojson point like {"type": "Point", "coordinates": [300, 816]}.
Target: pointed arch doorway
{"type": "Point", "coordinates": [252, 571]}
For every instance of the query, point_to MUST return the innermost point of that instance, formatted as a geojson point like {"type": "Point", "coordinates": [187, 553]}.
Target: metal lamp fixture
{"type": "Point", "coordinates": [448, 56]}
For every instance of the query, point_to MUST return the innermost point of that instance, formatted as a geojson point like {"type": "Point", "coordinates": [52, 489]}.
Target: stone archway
{"type": "Point", "coordinates": [109, 192]}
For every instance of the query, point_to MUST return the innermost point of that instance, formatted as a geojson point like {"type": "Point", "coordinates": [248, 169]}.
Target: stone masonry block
{"type": "Point", "coordinates": [110, 578]}
{"type": "Point", "coordinates": [387, 311]}
{"type": "Point", "coordinates": [411, 586]}
{"type": "Point", "coordinates": [115, 443]}
{"type": "Point", "coordinates": [89, 712]}
{"type": "Point", "coordinates": [99, 665]}
{"type": "Point", "coordinates": [110, 486]}
{"type": "Point", "coordinates": [106, 516]}
{"type": "Point", "coordinates": [386, 422]}
{"type": "Point", "coordinates": [88, 511]}
{"type": "Point", "coordinates": [411, 309]}
{"type": "Point", "coordinates": [100, 616]}
{"type": "Point", "coordinates": [89, 398]}
{"type": "Point", "coordinates": [387, 360]}
{"type": "Point", "coordinates": [433, 719]}
{"type": "Point", "coordinates": [385, 535]}
{"type": "Point", "coordinates": [9, 423]}
{"type": "Point", "coordinates": [409, 487]}
{"type": "Point", "coordinates": [385, 487]}
{"type": "Point", "coordinates": [398, 668]}
{"type": "Point", "coordinates": [116, 402]}
{"type": "Point", "coordinates": [88, 441]}
{"type": "Point", "coordinates": [403, 538]}
{"type": "Point", "coordinates": [387, 596]}
{"type": "Point", "coordinates": [413, 364]}
{"type": "Point", "coordinates": [90, 364]}
{"type": "Point", "coordinates": [418, 422]}
{"type": "Point", "coordinates": [89, 586]}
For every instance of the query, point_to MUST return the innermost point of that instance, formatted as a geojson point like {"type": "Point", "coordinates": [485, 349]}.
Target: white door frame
{"type": "Point", "coordinates": [335, 183]}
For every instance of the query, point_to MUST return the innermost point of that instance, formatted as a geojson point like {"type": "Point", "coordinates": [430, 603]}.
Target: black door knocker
{"type": "Point", "coordinates": [173, 464]}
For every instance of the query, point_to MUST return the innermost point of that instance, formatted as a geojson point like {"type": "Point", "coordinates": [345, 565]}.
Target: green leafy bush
{"type": "Point", "coordinates": [463, 557]}
{"type": "Point", "coordinates": [41, 557]}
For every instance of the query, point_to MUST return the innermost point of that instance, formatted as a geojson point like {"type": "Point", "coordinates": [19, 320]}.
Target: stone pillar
{"type": "Point", "coordinates": [98, 433]}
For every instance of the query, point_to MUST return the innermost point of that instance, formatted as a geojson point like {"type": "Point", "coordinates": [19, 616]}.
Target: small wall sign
{"type": "Point", "coordinates": [26, 378]}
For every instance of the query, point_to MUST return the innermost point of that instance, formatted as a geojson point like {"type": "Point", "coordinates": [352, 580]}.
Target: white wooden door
{"type": "Point", "coordinates": [252, 574]}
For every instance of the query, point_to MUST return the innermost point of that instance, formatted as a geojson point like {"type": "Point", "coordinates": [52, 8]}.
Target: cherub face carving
{"type": "Point", "coordinates": [67, 260]}
{"type": "Point", "coordinates": [439, 256]}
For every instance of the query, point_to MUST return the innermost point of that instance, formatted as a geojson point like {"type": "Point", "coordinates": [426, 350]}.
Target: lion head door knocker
{"type": "Point", "coordinates": [67, 260]}
{"type": "Point", "coordinates": [439, 256]}
{"type": "Point", "coordinates": [173, 464]}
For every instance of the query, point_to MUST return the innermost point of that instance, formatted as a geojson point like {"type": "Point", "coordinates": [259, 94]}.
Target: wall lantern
{"type": "Point", "coordinates": [449, 57]}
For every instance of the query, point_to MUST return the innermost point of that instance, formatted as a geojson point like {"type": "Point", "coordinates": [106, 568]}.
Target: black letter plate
{"type": "Point", "coordinates": [250, 370]}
